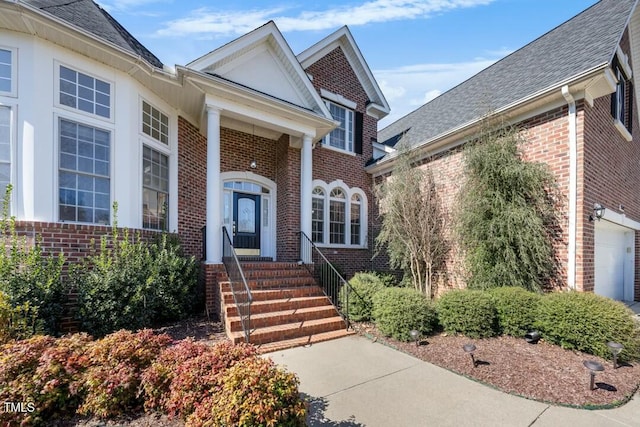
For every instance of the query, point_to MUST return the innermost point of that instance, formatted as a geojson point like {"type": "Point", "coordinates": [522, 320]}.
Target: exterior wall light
{"type": "Point", "coordinates": [253, 164]}
{"type": "Point", "coordinates": [598, 212]}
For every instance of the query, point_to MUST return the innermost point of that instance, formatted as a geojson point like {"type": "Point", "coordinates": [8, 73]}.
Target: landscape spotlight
{"type": "Point", "coordinates": [415, 334]}
{"type": "Point", "coordinates": [593, 367]}
{"type": "Point", "coordinates": [615, 349]}
{"type": "Point", "coordinates": [470, 348]}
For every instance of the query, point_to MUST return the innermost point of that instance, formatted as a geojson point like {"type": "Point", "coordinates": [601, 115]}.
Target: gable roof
{"type": "Point", "coordinates": [378, 105]}
{"type": "Point", "coordinates": [280, 74]}
{"type": "Point", "coordinates": [582, 44]}
{"type": "Point", "coordinates": [90, 17]}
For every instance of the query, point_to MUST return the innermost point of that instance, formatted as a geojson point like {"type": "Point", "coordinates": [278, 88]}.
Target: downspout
{"type": "Point", "coordinates": [573, 190]}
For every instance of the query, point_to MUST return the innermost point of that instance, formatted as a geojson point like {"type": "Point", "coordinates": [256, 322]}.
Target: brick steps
{"type": "Point", "coordinates": [289, 331]}
{"type": "Point", "coordinates": [295, 315]}
{"type": "Point", "coordinates": [304, 340]}
{"type": "Point", "coordinates": [288, 308]}
{"type": "Point", "coordinates": [282, 304]}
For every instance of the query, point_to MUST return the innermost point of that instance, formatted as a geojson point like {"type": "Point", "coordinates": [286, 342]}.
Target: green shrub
{"type": "Point", "coordinates": [44, 372]}
{"type": "Point", "coordinates": [467, 312]}
{"type": "Point", "coordinates": [516, 309]}
{"type": "Point", "coordinates": [254, 392]}
{"type": "Point", "coordinates": [363, 287]}
{"type": "Point", "coordinates": [116, 363]}
{"type": "Point", "coordinates": [31, 279]}
{"type": "Point", "coordinates": [399, 310]}
{"type": "Point", "coordinates": [133, 284]}
{"type": "Point", "coordinates": [586, 322]}
{"type": "Point", "coordinates": [197, 377]}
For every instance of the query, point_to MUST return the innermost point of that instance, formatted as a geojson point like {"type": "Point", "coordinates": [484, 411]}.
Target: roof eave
{"type": "Point", "coordinates": [590, 84]}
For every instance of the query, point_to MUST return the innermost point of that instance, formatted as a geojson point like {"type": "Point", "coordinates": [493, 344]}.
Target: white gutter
{"type": "Point", "coordinates": [573, 191]}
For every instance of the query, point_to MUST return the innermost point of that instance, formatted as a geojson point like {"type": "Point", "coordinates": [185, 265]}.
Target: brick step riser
{"type": "Point", "coordinates": [232, 310]}
{"type": "Point", "coordinates": [272, 284]}
{"type": "Point", "coordinates": [247, 266]}
{"type": "Point", "coordinates": [251, 274]}
{"type": "Point", "coordinates": [303, 291]}
{"type": "Point", "coordinates": [265, 322]}
{"type": "Point", "coordinates": [258, 338]}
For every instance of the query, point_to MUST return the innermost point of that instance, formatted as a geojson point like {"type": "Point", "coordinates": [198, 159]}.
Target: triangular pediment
{"type": "Point", "coordinates": [262, 61]}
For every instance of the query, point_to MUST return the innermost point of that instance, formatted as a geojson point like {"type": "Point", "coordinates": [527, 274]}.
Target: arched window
{"type": "Point", "coordinates": [317, 215]}
{"type": "Point", "coordinates": [356, 223]}
{"type": "Point", "coordinates": [337, 216]}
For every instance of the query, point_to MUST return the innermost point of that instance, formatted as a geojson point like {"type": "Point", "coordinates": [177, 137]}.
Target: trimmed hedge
{"type": "Point", "coordinates": [467, 312]}
{"type": "Point", "coordinates": [516, 309]}
{"type": "Point", "coordinates": [399, 310]}
{"type": "Point", "coordinates": [365, 285]}
{"type": "Point", "coordinates": [586, 322]}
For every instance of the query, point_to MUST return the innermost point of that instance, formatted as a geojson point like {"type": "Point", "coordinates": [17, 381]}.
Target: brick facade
{"type": "Point", "coordinates": [333, 73]}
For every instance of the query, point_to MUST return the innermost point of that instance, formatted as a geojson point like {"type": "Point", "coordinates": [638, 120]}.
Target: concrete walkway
{"type": "Point", "coordinates": [355, 382]}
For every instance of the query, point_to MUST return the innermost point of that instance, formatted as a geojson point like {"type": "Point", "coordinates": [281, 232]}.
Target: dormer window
{"type": "Point", "coordinates": [622, 99]}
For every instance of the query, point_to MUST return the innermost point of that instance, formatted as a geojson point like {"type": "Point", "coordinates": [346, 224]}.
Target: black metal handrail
{"type": "Point", "coordinates": [239, 288]}
{"type": "Point", "coordinates": [334, 285]}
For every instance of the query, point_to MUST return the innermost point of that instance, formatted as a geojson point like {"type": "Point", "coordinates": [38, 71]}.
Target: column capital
{"type": "Point", "coordinates": [212, 109]}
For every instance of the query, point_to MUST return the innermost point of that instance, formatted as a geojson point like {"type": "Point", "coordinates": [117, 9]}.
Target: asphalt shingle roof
{"type": "Point", "coordinates": [92, 18]}
{"type": "Point", "coordinates": [580, 44]}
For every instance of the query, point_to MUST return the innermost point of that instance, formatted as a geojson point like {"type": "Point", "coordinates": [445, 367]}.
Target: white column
{"type": "Point", "coordinates": [306, 178]}
{"type": "Point", "coordinates": [214, 188]}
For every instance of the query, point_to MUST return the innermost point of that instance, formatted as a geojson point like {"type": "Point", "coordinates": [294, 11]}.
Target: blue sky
{"type": "Point", "coordinates": [416, 49]}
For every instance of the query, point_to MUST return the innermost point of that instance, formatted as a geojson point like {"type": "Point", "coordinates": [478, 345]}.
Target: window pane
{"type": "Point", "coordinates": [336, 222]}
{"type": "Point", "coordinates": [78, 90]}
{"type": "Point", "coordinates": [317, 220]}
{"type": "Point", "coordinates": [83, 196]}
{"type": "Point", "coordinates": [155, 183]}
{"type": "Point", "coordinates": [342, 136]}
{"type": "Point", "coordinates": [355, 224]}
{"type": "Point", "coordinates": [155, 123]}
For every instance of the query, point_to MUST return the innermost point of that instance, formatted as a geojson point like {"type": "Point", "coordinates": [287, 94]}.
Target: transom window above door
{"type": "Point", "coordinates": [248, 187]}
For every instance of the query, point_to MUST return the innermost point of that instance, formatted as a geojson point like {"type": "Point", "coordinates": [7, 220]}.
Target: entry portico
{"type": "Point", "coordinates": [274, 102]}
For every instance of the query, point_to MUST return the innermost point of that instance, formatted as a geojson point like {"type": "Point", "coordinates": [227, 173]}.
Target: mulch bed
{"type": "Point", "coordinates": [541, 371]}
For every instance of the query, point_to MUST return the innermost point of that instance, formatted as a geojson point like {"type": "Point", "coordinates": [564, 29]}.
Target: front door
{"type": "Point", "coordinates": [246, 223]}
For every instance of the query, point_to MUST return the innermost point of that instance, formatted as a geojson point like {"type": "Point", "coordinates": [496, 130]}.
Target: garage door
{"type": "Point", "coordinates": [614, 247]}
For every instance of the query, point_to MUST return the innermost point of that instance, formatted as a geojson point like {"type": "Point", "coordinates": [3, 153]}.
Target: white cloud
{"type": "Point", "coordinates": [212, 23]}
{"type": "Point", "coordinates": [409, 87]}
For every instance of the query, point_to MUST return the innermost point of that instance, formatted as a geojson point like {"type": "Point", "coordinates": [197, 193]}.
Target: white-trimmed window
{"type": "Point", "coordinates": [5, 149]}
{"type": "Point", "coordinates": [84, 186]}
{"type": "Point", "coordinates": [7, 72]}
{"type": "Point", "coordinates": [342, 136]}
{"type": "Point", "coordinates": [155, 189]}
{"type": "Point", "coordinates": [84, 92]}
{"type": "Point", "coordinates": [356, 223]}
{"type": "Point", "coordinates": [317, 215]}
{"type": "Point", "coordinates": [622, 98]}
{"type": "Point", "coordinates": [338, 215]}
{"type": "Point", "coordinates": [154, 123]}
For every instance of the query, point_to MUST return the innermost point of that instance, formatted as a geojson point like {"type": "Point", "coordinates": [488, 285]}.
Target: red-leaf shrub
{"type": "Point", "coordinates": [253, 392]}
{"type": "Point", "coordinates": [198, 377]}
{"type": "Point", "coordinates": [116, 364]}
{"type": "Point", "coordinates": [157, 378]}
{"type": "Point", "coordinates": [44, 372]}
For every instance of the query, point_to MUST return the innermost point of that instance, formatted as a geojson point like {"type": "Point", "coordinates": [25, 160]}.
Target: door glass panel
{"type": "Point", "coordinates": [227, 208]}
{"type": "Point", "coordinates": [246, 215]}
